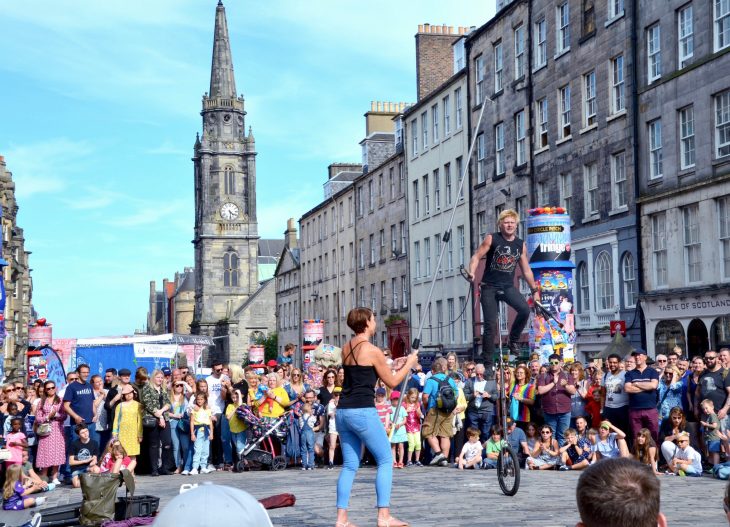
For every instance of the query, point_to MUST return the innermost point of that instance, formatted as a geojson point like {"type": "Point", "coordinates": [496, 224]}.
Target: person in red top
{"type": "Point", "coordinates": [555, 388]}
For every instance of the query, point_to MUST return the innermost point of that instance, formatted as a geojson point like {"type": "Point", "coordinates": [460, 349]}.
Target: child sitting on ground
{"type": "Point", "coordinates": [711, 431]}
{"type": "Point", "coordinates": [577, 450]}
{"type": "Point", "coordinates": [84, 455]}
{"type": "Point", "coordinates": [493, 445]}
{"type": "Point", "coordinates": [31, 480]}
{"type": "Point", "coordinates": [116, 459]}
{"type": "Point", "coordinates": [471, 453]}
{"type": "Point", "coordinates": [14, 492]}
{"type": "Point", "coordinates": [686, 460]}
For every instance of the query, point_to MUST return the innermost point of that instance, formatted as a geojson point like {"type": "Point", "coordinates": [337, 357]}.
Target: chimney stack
{"type": "Point", "coordinates": [434, 56]}
{"type": "Point", "coordinates": [290, 234]}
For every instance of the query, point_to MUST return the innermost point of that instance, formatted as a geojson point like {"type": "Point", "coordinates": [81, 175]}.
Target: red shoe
{"type": "Point", "coordinates": [399, 465]}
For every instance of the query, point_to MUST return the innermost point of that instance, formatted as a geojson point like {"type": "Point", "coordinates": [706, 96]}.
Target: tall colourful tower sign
{"type": "Point", "coordinates": [548, 251]}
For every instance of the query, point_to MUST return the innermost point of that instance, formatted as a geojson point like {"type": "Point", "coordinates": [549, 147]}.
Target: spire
{"type": "Point", "coordinates": [222, 80]}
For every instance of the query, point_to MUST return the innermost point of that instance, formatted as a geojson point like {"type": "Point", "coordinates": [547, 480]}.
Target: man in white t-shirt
{"type": "Point", "coordinates": [216, 400]}
{"type": "Point", "coordinates": [616, 407]}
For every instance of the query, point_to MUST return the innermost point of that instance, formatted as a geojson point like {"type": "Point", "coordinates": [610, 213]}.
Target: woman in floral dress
{"type": "Point", "coordinates": [51, 448]}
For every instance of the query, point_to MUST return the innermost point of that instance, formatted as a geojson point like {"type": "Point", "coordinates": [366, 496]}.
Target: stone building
{"type": "Point", "coordinates": [287, 274]}
{"type": "Point", "coordinates": [683, 51]}
{"type": "Point", "coordinates": [171, 309]}
{"type": "Point", "coordinates": [17, 279]}
{"type": "Point", "coordinates": [232, 303]}
{"type": "Point", "coordinates": [436, 146]}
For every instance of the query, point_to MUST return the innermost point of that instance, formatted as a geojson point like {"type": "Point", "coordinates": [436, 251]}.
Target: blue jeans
{"type": "Point", "coordinates": [239, 439]}
{"type": "Point", "coordinates": [175, 442]}
{"type": "Point", "coordinates": [482, 421]}
{"type": "Point", "coordinates": [358, 426]}
{"type": "Point", "coordinates": [306, 445]}
{"type": "Point", "coordinates": [558, 423]}
{"type": "Point", "coordinates": [202, 447]}
{"type": "Point", "coordinates": [225, 432]}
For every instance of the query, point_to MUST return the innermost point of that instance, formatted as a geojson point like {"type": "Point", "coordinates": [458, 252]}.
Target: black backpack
{"type": "Point", "coordinates": [446, 396]}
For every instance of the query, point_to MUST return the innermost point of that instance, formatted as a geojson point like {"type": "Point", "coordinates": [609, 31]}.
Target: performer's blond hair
{"type": "Point", "coordinates": [508, 213]}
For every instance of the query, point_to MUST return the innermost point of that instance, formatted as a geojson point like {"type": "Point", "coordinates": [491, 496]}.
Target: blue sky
{"type": "Point", "coordinates": [100, 105]}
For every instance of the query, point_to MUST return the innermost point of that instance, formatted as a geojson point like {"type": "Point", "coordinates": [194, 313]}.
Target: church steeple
{"type": "Point", "coordinates": [222, 80]}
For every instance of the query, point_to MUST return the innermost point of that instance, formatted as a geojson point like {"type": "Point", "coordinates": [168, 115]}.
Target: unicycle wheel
{"type": "Point", "coordinates": [508, 471]}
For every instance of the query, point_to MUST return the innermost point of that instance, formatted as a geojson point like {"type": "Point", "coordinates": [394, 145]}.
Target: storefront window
{"type": "Point", "coordinates": [697, 339]}
{"type": "Point", "coordinates": [668, 333]}
{"type": "Point", "coordinates": [721, 332]}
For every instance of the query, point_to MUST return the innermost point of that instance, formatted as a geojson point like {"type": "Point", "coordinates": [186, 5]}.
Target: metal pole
{"type": "Point", "coordinates": [444, 242]}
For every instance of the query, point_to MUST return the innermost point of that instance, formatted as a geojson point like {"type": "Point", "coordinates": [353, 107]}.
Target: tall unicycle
{"type": "Point", "coordinates": [508, 466]}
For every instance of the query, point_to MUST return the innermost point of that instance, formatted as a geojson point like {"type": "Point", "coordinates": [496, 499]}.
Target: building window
{"type": "Point", "coordinates": [589, 96]}
{"type": "Point", "coordinates": [391, 182]}
{"type": "Point", "coordinates": [520, 142]}
{"type": "Point", "coordinates": [230, 269]}
{"type": "Point", "coordinates": [383, 298]}
{"type": "Point", "coordinates": [439, 321]}
{"type": "Point", "coordinates": [414, 136]}
{"type": "Point", "coordinates": [659, 248]}
{"type": "Point", "coordinates": [373, 298]}
{"type": "Point", "coordinates": [692, 244]}
{"type": "Point", "coordinates": [722, 123]}
{"type": "Point", "coordinates": [542, 123]}
{"type": "Point", "coordinates": [618, 100]}
{"type": "Point", "coordinates": [457, 108]}
{"type": "Point", "coordinates": [427, 255]}
{"type": "Point", "coordinates": [416, 203]}
{"type": "Point", "coordinates": [687, 137]}
{"type": "Point", "coordinates": [498, 67]}
{"type": "Point", "coordinates": [461, 238]}
{"type": "Point", "coordinates": [371, 196]}
{"type": "Point", "coordinates": [654, 52]}
{"type": "Point", "coordinates": [437, 189]}
{"type": "Point", "coordinates": [462, 310]}
{"type": "Point", "coordinates": [629, 280]}
{"type": "Point", "coordinates": [371, 239]}
{"type": "Point", "coordinates": [394, 290]}
{"type": "Point", "coordinates": [446, 103]}
{"type": "Point", "coordinates": [350, 210]}
{"type": "Point", "coordinates": [685, 35]}
{"type": "Point", "coordinates": [583, 285]}
{"type": "Point", "coordinates": [450, 254]}
{"type": "Point", "coordinates": [452, 323]}
{"type": "Point", "coordinates": [722, 24]}
{"type": "Point", "coordinates": [447, 181]}
{"type": "Point", "coordinates": [401, 178]}
{"type": "Point", "coordinates": [723, 214]}
{"type": "Point", "coordinates": [540, 44]}
{"type": "Point", "coordinates": [382, 241]}
{"type": "Point", "coordinates": [426, 197]}
{"type": "Point", "coordinates": [460, 174]}
{"type": "Point", "coordinates": [590, 179]}
{"type": "Point", "coordinates": [589, 17]}
{"type": "Point", "coordinates": [404, 291]}
{"type": "Point", "coordinates": [566, 191]}
{"type": "Point", "coordinates": [564, 104]}
{"type": "Point", "coordinates": [563, 24]}
{"type": "Point", "coordinates": [424, 130]}
{"type": "Point", "coordinates": [229, 180]}
{"type": "Point", "coordinates": [615, 8]}
{"type": "Point", "coordinates": [543, 196]}
{"type": "Point", "coordinates": [417, 259]}
{"type": "Point", "coordinates": [656, 165]}
{"type": "Point", "coordinates": [482, 224]}
{"type": "Point", "coordinates": [521, 207]}
{"type": "Point", "coordinates": [618, 180]}
{"type": "Point", "coordinates": [435, 121]}
{"type": "Point", "coordinates": [481, 154]}
{"type": "Point", "coordinates": [499, 163]}
{"type": "Point", "coordinates": [393, 241]}
{"type": "Point", "coordinates": [361, 249]}
{"type": "Point", "coordinates": [479, 73]}
{"type": "Point", "coordinates": [519, 51]}
{"type": "Point", "coordinates": [403, 238]}
{"type": "Point", "coordinates": [604, 282]}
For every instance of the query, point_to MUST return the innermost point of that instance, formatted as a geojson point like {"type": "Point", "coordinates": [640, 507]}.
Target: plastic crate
{"type": "Point", "coordinates": [136, 506]}
{"type": "Point", "coordinates": [61, 515]}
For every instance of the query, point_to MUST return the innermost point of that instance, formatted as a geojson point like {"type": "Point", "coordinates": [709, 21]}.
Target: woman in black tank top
{"type": "Point", "coordinates": [357, 421]}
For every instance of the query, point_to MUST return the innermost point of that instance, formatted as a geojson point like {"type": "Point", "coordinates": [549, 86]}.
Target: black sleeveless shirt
{"type": "Point", "coordinates": [502, 259]}
{"type": "Point", "coordinates": [358, 389]}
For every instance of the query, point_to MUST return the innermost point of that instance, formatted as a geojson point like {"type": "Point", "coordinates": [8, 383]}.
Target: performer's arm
{"type": "Point", "coordinates": [482, 250]}
{"type": "Point", "coordinates": [527, 273]}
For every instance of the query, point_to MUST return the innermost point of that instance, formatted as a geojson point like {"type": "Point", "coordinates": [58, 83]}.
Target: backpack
{"type": "Point", "coordinates": [445, 396]}
{"type": "Point", "coordinates": [721, 470]}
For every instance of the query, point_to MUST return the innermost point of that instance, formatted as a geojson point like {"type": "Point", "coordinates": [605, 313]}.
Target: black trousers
{"type": "Point", "coordinates": [490, 296]}
{"type": "Point", "coordinates": [157, 438]}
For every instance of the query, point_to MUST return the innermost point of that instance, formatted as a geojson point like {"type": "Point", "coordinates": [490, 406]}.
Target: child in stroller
{"type": "Point", "coordinates": [265, 439]}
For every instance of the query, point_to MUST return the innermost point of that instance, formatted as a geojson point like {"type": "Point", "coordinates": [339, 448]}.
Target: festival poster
{"type": "Point", "coordinates": [548, 241]}
{"type": "Point", "coordinates": [556, 296]}
{"type": "Point", "coordinates": [40, 335]}
{"type": "Point", "coordinates": [312, 336]}
{"type": "Point", "coordinates": [66, 350]}
{"type": "Point", "coordinates": [44, 364]}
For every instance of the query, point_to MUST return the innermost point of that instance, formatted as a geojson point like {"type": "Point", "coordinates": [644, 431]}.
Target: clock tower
{"type": "Point", "coordinates": [226, 232]}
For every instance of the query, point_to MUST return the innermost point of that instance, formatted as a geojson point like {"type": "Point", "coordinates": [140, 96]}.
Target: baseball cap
{"type": "Point", "coordinates": [395, 394]}
{"type": "Point", "coordinates": [125, 371]}
{"type": "Point", "coordinates": [638, 351]}
{"type": "Point", "coordinates": [212, 506]}
{"type": "Point", "coordinates": [271, 363]}
{"type": "Point", "coordinates": [166, 371]}
{"type": "Point", "coordinates": [380, 391]}
{"type": "Point", "coordinates": [338, 389]}
{"type": "Point", "coordinates": [605, 425]}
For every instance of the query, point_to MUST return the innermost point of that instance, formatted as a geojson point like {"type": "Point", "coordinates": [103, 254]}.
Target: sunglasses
{"type": "Point", "coordinates": [546, 431]}
{"type": "Point", "coordinates": [554, 362]}
{"type": "Point", "coordinates": [218, 370]}
{"type": "Point", "coordinates": [50, 388]}
{"type": "Point", "coordinates": [683, 441]}
{"type": "Point", "coordinates": [470, 369]}
{"type": "Point", "coordinates": [661, 360]}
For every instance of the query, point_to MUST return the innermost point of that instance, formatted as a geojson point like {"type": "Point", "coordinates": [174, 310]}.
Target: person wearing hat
{"type": "Point", "coordinates": [686, 461]}
{"type": "Point", "coordinates": [332, 434]}
{"type": "Point", "coordinates": [114, 395]}
{"type": "Point", "coordinates": [271, 365]}
{"type": "Point", "coordinates": [398, 429]}
{"type": "Point", "coordinates": [211, 505]}
{"type": "Point", "coordinates": [641, 384]}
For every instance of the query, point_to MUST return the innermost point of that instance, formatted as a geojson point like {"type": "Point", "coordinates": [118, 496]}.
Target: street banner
{"type": "Point", "coordinates": [40, 335]}
{"type": "Point", "coordinates": [256, 354]}
{"type": "Point", "coordinates": [145, 350]}
{"type": "Point", "coordinates": [44, 364]}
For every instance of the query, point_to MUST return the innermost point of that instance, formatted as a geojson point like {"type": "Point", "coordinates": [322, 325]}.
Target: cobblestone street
{"type": "Point", "coordinates": [470, 498]}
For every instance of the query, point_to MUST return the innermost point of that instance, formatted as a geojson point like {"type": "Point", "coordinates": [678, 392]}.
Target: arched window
{"type": "Point", "coordinates": [629, 278]}
{"type": "Point", "coordinates": [585, 295]}
{"type": "Point", "coordinates": [604, 282]}
{"type": "Point", "coordinates": [229, 180]}
{"type": "Point", "coordinates": [230, 269]}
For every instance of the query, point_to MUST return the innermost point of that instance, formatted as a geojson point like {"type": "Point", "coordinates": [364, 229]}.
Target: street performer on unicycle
{"type": "Point", "coordinates": [504, 251]}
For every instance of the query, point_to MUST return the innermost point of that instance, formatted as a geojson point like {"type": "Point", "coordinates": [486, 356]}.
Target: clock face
{"type": "Point", "coordinates": [227, 118]}
{"type": "Point", "coordinates": [229, 211]}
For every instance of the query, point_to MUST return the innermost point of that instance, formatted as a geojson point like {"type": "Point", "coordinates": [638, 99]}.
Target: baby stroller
{"type": "Point", "coordinates": [265, 440]}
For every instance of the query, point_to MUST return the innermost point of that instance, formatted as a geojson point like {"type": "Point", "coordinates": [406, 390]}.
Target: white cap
{"type": "Point", "coordinates": [213, 506]}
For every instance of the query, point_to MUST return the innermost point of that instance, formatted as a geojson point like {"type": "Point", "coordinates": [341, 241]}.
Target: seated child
{"type": "Point", "coordinates": [14, 492]}
{"type": "Point", "coordinates": [115, 459]}
{"type": "Point", "coordinates": [31, 480]}
{"type": "Point", "coordinates": [471, 453]}
{"type": "Point", "coordinates": [493, 446]}
{"type": "Point", "coordinates": [84, 455]}
{"type": "Point", "coordinates": [686, 460]}
{"type": "Point", "coordinates": [577, 450]}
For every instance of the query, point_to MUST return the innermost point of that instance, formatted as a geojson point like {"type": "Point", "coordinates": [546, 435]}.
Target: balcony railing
{"type": "Point", "coordinates": [593, 320]}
